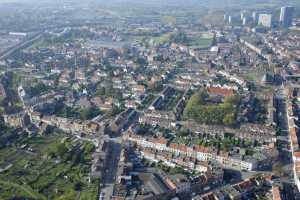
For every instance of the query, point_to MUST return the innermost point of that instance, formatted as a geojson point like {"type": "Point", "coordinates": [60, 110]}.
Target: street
{"type": "Point", "coordinates": [109, 178]}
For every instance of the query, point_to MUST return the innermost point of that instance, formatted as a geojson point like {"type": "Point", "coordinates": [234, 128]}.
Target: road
{"type": "Point", "coordinates": [19, 46]}
{"type": "Point", "coordinates": [283, 145]}
{"type": "Point", "coordinates": [283, 142]}
{"type": "Point", "coordinates": [111, 169]}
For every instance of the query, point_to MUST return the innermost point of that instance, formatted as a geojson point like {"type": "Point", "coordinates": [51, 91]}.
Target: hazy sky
{"type": "Point", "coordinates": [206, 3]}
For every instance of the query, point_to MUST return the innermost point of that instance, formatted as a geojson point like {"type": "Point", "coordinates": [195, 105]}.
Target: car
{"type": "Point", "coordinates": [101, 195]}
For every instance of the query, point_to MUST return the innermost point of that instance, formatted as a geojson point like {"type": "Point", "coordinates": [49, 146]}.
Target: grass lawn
{"type": "Point", "coordinates": [200, 42]}
{"type": "Point", "coordinates": [163, 38]}
{"type": "Point", "coordinates": [253, 74]}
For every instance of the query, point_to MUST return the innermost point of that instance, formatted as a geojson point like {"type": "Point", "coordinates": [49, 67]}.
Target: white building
{"type": "Point", "coordinates": [265, 20]}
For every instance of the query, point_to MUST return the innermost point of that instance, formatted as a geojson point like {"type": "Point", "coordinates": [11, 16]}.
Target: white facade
{"type": "Point", "coordinates": [265, 20]}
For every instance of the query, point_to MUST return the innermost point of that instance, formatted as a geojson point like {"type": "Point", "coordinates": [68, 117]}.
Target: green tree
{"type": "Point", "coordinates": [229, 119]}
{"type": "Point", "coordinates": [61, 149]}
{"type": "Point", "coordinates": [89, 148]}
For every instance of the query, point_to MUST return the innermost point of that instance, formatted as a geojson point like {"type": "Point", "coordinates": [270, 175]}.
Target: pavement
{"type": "Point", "coordinates": [283, 140]}
{"type": "Point", "coordinates": [111, 169]}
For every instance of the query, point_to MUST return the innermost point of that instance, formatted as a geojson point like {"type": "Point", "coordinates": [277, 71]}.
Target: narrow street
{"type": "Point", "coordinates": [283, 142]}
{"type": "Point", "coordinates": [111, 169]}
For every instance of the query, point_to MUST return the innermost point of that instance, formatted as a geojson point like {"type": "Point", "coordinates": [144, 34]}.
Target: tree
{"type": "Point", "coordinates": [89, 148]}
{"type": "Point", "coordinates": [77, 158]}
{"type": "Point", "coordinates": [183, 133]}
{"type": "Point", "coordinates": [141, 61]}
{"type": "Point", "coordinates": [88, 113]}
{"type": "Point", "coordinates": [181, 38]}
{"type": "Point", "coordinates": [61, 149]}
{"type": "Point", "coordinates": [229, 119]}
{"type": "Point", "coordinates": [78, 185]}
{"type": "Point", "coordinates": [38, 89]}
{"type": "Point", "coordinates": [278, 169]}
{"type": "Point", "coordinates": [200, 111]}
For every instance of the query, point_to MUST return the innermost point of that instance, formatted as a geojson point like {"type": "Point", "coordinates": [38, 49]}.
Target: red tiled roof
{"type": "Point", "coordinates": [220, 91]}
{"type": "Point", "coordinates": [179, 147]}
{"type": "Point", "coordinates": [182, 147]}
{"type": "Point", "coordinates": [297, 154]}
{"type": "Point", "coordinates": [245, 185]}
{"type": "Point", "coordinates": [297, 166]}
{"type": "Point", "coordinates": [293, 133]}
{"type": "Point", "coordinates": [276, 193]}
{"type": "Point", "coordinates": [173, 146]}
{"type": "Point", "coordinates": [161, 141]}
{"type": "Point", "coordinates": [199, 148]}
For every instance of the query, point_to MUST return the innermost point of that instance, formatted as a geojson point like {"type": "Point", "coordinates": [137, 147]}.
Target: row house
{"type": "Point", "coordinates": [14, 120]}
{"type": "Point", "coordinates": [178, 183]}
{"type": "Point", "coordinates": [68, 125]}
{"type": "Point", "coordinates": [161, 118]}
{"type": "Point", "coordinates": [240, 190]}
{"type": "Point", "coordinates": [260, 133]}
{"type": "Point", "coordinates": [102, 104]}
{"type": "Point", "coordinates": [294, 142]}
{"type": "Point", "coordinates": [123, 120]}
{"type": "Point", "coordinates": [171, 160]}
{"type": "Point", "coordinates": [197, 152]}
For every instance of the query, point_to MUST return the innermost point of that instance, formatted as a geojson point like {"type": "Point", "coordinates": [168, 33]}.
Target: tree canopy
{"type": "Point", "coordinates": [223, 113]}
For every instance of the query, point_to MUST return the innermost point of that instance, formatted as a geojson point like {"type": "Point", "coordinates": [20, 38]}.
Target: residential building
{"type": "Point", "coordinates": [151, 148]}
{"type": "Point", "coordinates": [178, 183]}
{"type": "Point", "coordinates": [255, 17]}
{"type": "Point", "coordinates": [286, 16]}
{"type": "Point", "coordinates": [265, 20]}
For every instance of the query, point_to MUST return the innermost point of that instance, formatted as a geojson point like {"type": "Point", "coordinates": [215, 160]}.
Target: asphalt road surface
{"type": "Point", "coordinates": [110, 170]}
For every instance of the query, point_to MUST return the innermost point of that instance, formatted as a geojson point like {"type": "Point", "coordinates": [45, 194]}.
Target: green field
{"type": "Point", "coordinates": [57, 168]}
{"type": "Point", "coordinates": [200, 42]}
{"type": "Point", "coordinates": [164, 38]}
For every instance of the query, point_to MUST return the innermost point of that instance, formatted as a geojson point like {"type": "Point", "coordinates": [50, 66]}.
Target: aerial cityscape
{"type": "Point", "coordinates": [149, 100]}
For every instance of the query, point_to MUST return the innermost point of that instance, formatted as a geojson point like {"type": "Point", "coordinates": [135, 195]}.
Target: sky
{"type": "Point", "coordinates": [206, 3]}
